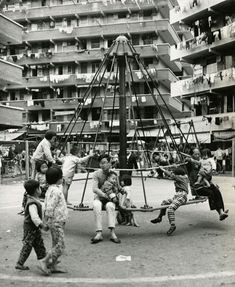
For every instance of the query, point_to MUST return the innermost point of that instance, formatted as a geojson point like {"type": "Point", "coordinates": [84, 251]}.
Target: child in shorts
{"type": "Point", "coordinates": [69, 163]}
{"type": "Point", "coordinates": [42, 167]}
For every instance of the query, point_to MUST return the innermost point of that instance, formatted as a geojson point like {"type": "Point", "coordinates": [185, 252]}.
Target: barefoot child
{"type": "Point", "coordinates": [70, 162]}
{"type": "Point", "coordinates": [56, 215]}
{"type": "Point", "coordinates": [42, 167]}
{"type": "Point", "coordinates": [180, 197]}
{"type": "Point", "coordinates": [126, 202]}
{"type": "Point", "coordinates": [32, 227]}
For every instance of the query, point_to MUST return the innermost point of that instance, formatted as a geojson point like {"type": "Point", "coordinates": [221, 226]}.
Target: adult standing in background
{"type": "Point", "coordinates": [219, 154]}
{"type": "Point", "coordinates": [43, 151]}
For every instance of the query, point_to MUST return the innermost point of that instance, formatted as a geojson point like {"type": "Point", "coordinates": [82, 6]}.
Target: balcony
{"type": "Point", "coordinates": [10, 117]}
{"type": "Point", "coordinates": [10, 31]}
{"type": "Point", "coordinates": [162, 27]}
{"type": "Point", "coordinates": [72, 103]}
{"type": "Point", "coordinates": [193, 50]}
{"type": "Point", "coordinates": [18, 12]}
{"type": "Point", "coordinates": [205, 8]}
{"type": "Point", "coordinates": [204, 84]}
{"type": "Point", "coordinates": [74, 55]}
{"type": "Point", "coordinates": [163, 76]}
{"type": "Point", "coordinates": [12, 74]}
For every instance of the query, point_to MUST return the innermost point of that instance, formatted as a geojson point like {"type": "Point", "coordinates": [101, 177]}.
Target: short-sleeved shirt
{"type": "Point", "coordinates": [181, 182]}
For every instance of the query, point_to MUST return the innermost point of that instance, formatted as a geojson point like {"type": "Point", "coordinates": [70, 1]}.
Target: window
{"type": "Point", "coordinates": [148, 14]}
{"type": "Point", "coordinates": [95, 43]}
{"type": "Point", "coordinates": [135, 39]}
{"type": "Point", "coordinates": [95, 66]}
{"type": "Point", "coordinates": [122, 16]}
{"type": "Point", "coordinates": [95, 114]}
{"type": "Point", "coordinates": [148, 61]}
{"type": "Point", "coordinates": [83, 68]}
{"type": "Point", "coordinates": [60, 70]}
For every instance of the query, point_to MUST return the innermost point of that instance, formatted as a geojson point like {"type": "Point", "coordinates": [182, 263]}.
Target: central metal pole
{"type": "Point", "coordinates": [122, 113]}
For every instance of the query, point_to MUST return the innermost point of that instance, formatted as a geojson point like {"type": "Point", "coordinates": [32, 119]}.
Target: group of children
{"type": "Point", "coordinates": [47, 184]}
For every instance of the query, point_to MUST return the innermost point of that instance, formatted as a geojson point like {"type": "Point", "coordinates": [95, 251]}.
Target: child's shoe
{"type": "Point", "coordinates": [171, 230]}
{"type": "Point", "coordinates": [156, 220]}
{"type": "Point", "coordinates": [21, 267]}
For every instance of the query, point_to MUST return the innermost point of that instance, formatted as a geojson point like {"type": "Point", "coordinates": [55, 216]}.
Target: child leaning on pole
{"type": "Point", "coordinates": [69, 164]}
{"type": "Point", "coordinates": [181, 191]}
{"type": "Point", "coordinates": [32, 227]}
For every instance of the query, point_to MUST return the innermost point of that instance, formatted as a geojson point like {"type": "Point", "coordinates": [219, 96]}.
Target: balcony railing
{"type": "Point", "coordinates": [18, 12]}
{"type": "Point", "coordinates": [162, 27]}
{"type": "Point", "coordinates": [12, 73]}
{"type": "Point", "coordinates": [10, 31]}
{"type": "Point", "coordinates": [72, 103]}
{"type": "Point", "coordinates": [189, 11]}
{"type": "Point", "coordinates": [164, 76]}
{"type": "Point", "coordinates": [204, 83]}
{"type": "Point", "coordinates": [201, 46]}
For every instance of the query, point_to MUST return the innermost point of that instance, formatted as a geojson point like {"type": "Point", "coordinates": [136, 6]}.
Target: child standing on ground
{"type": "Point", "coordinates": [56, 215]}
{"type": "Point", "coordinates": [32, 227]}
{"type": "Point", "coordinates": [126, 202]}
{"type": "Point", "coordinates": [42, 167]}
{"type": "Point", "coordinates": [181, 188]}
{"type": "Point", "coordinates": [206, 168]}
{"type": "Point", "coordinates": [70, 162]}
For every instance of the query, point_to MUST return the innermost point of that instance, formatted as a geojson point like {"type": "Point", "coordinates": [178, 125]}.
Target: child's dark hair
{"type": "Point", "coordinates": [111, 172]}
{"type": "Point", "coordinates": [126, 178]}
{"type": "Point", "coordinates": [179, 171]}
{"type": "Point", "coordinates": [39, 164]}
{"type": "Point", "coordinates": [49, 135]}
{"type": "Point", "coordinates": [206, 151]}
{"type": "Point", "coordinates": [74, 149]}
{"type": "Point", "coordinates": [30, 186]}
{"type": "Point", "coordinates": [105, 156]}
{"type": "Point", "coordinates": [53, 174]}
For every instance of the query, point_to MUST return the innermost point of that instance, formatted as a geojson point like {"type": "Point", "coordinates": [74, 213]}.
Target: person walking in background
{"type": "Point", "coordinates": [43, 151]}
{"type": "Point", "coordinates": [219, 154]}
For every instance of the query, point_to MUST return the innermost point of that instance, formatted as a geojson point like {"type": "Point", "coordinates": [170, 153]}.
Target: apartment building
{"type": "Point", "coordinates": [207, 31]}
{"type": "Point", "coordinates": [64, 42]}
{"type": "Point", "coordinates": [10, 74]}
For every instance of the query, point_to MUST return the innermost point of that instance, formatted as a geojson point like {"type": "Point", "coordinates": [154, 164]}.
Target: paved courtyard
{"type": "Point", "coordinates": [201, 251]}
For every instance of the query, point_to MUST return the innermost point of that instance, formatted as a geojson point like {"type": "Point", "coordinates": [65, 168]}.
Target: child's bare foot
{"type": "Point", "coordinates": [43, 267]}
{"type": "Point", "coordinates": [136, 224]}
{"type": "Point", "coordinates": [21, 267]}
{"type": "Point", "coordinates": [171, 230]}
{"type": "Point", "coordinates": [156, 220]}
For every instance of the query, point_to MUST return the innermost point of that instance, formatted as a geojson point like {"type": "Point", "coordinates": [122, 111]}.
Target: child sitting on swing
{"type": "Point", "coordinates": [181, 188]}
{"type": "Point", "coordinates": [207, 165]}
{"type": "Point", "coordinates": [111, 188]}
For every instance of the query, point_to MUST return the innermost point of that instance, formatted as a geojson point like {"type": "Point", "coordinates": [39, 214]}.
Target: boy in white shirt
{"type": "Point", "coordinates": [43, 151]}
{"type": "Point", "coordinates": [70, 162]}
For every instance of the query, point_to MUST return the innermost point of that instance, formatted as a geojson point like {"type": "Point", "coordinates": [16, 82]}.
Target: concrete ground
{"type": "Point", "coordinates": [201, 251]}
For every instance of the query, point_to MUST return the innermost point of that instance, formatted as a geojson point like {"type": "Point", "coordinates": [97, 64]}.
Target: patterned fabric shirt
{"type": "Point", "coordinates": [55, 205]}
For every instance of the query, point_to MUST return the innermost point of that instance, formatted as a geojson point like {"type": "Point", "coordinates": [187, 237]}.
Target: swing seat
{"type": "Point", "coordinates": [140, 209]}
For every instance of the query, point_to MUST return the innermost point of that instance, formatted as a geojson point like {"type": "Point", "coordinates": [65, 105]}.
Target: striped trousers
{"type": "Point", "coordinates": [174, 203]}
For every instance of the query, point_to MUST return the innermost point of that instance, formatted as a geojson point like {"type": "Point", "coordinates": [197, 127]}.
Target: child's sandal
{"type": "Point", "coordinates": [171, 230]}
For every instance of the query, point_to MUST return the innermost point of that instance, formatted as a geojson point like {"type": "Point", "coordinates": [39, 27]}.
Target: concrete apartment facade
{"type": "Point", "coordinates": [207, 31]}
{"type": "Point", "coordinates": [62, 46]}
